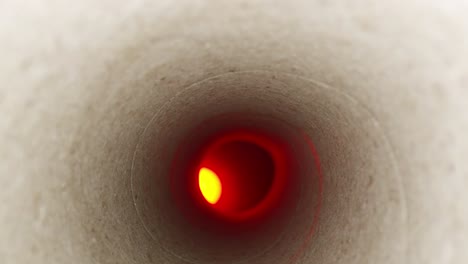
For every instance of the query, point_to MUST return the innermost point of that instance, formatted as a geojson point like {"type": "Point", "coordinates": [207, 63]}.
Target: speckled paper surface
{"type": "Point", "coordinates": [80, 81]}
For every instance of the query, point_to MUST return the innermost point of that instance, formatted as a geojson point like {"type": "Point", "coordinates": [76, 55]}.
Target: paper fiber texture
{"type": "Point", "coordinates": [80, 81]}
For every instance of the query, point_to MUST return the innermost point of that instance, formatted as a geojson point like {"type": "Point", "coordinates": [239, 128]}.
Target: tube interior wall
{"type": "Point", "coordinates": [378, 88]}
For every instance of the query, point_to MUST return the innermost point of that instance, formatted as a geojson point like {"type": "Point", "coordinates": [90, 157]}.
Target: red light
{"type": "Point", "coordinates": [238, 173]}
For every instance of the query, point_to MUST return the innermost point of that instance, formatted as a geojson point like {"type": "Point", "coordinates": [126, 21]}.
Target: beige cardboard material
{"type": "Point", "coordinates": [382, 87]}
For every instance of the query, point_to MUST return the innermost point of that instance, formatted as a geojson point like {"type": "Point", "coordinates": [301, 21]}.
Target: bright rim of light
{"type": "Point", "coordinates": [210, 185]}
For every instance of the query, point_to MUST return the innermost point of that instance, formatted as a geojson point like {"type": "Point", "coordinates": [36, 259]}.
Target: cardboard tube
{"type": "Point", "coordinates": [86, 86]}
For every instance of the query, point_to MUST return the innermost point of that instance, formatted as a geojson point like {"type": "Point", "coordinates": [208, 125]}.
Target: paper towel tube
{"type": "Point", "coordinates": [97, 96]}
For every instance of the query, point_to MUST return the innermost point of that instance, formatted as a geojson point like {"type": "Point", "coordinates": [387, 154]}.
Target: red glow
{"type": "Point", "coordinates": [250, 169]}
{"type": "Point", "coordinates": [235, 211]}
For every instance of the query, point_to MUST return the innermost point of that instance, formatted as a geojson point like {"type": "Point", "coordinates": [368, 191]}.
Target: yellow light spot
{"type": "Point", "coordinates": [210, 185]}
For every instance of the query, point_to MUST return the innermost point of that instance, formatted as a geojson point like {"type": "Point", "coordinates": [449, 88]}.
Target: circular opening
{"type": "Point", "coordinates": [304, 204]}
{"type": "Point", "coordinates": [235, 176]}
{"type": "Point", "coordinates": [232, 177]}
{"type": "Point", "coordinates": [238, 174]}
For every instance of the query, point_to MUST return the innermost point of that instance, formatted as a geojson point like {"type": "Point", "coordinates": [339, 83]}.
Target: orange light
{"type": "Point", "coordinates": [210, 185]}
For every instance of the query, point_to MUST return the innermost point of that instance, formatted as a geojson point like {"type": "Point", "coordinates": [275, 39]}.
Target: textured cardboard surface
{"type": "Point", "coordinates": [80, 81]}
